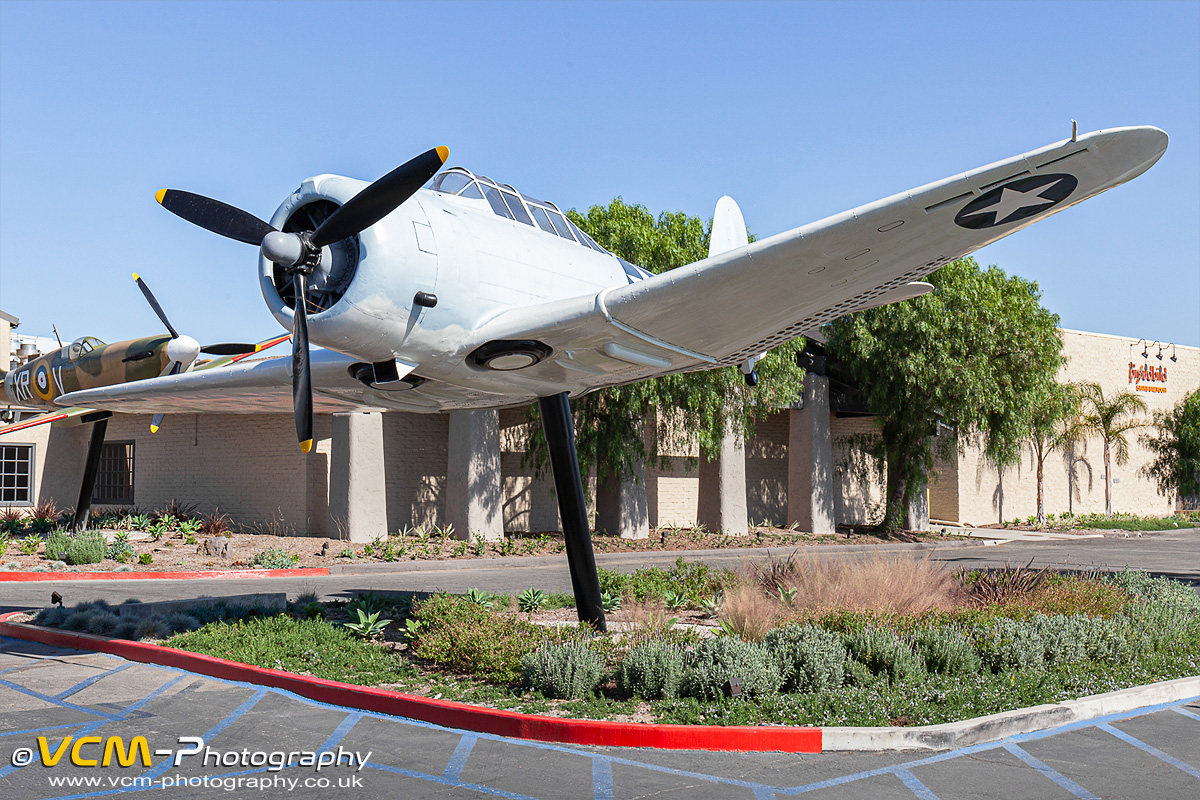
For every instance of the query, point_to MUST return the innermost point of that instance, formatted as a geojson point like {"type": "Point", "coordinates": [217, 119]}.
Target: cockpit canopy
{"type": "Point", "coordinates": [82, 346]}
{"type": "Point", "coordinates": [508, 202]}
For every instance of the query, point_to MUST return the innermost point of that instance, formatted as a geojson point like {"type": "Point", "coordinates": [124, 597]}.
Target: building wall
{"type": "Point", "coordinates": [986, 497]}
{"type": "Point", "coordinates": [858, 488]}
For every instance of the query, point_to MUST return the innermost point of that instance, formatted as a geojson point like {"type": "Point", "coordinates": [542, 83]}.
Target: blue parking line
{"type": "Point", "coordinates": [1154, 751]}
{"type": "Point", "coordinates": [62, 703]}
{"type": "Point", "coordinates": [79, 687]}
{"type": "Point", "coordinates": [40, 730]}
{"type": "Point", "coordinates": [1051, 773]}
{"type": "Point", "coordinates": [458, 759]}
{"type": "Point", "coordinates": [1185, 712]}
{"type": "Point", "coordinates": [912, 782]}
{"type": "Point", "coordinates": [602, 780]}
{"type": "Point", "coordinates": [339, 732]}
{"type": "Point", "coordinates": [456, 784]}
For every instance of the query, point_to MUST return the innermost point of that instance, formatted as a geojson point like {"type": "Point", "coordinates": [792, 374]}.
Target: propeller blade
{"type": "Point", "coordinates": [229, 349]}
{"type": "Point", "coordinates": [380, 198]}
{"type": "Point", "coordinates": [162, 315]}
{"type": "Point", "coordinates": [213, 215]}
{"type": "Point", "coordinates": [157, 419]}
{"type": "Point", "coordinates": [302, 401]}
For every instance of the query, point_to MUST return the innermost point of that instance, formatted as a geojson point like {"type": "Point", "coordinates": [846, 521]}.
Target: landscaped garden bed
{"type": "Point", "coordinates": [873, 640]}
{"type": "Point", "coordinates": [178, 538]}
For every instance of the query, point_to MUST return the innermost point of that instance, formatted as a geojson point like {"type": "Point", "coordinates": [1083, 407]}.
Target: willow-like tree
{"type": "Point", "coordinates": [975, 354]}
{"type": "Point", "coordinates": [610, 422]}
{"type": "Point", "coordinates": [1110, 418]}
{"type": "Point", "coordinates": [1176, 447]}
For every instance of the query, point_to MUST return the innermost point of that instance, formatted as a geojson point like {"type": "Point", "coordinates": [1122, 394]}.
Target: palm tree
{"type": "Point", "coordinates": [1110, 419]}
{"type": "Point", "coordinates": [1055, 425]}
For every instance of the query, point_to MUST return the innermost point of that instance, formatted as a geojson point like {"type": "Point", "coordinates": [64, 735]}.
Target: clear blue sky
{"type": "Point", "coordinates": [798, 110]}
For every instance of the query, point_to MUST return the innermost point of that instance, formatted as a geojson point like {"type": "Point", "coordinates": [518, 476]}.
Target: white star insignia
{"type": "Point", "coordinates": [1012, 201]}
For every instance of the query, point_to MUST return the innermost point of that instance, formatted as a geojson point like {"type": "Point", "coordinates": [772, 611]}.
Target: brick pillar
{"type": "Point", "coordinates": [721, 507]}
{"type": "Point", "coordinates": [357, 494]}
{"type": "Point", "coordinates": [810, 460]}
{"type": "Point", "coordinates": [473, 496]}
{"type": "Point", "coordinates": [621, 506]}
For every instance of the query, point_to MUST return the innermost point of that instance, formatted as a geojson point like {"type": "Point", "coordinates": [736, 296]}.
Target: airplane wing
{"type": "Point", "coordinates": [66, 416]}
{"type": "Point", "coordinates": [719, 311]}
{"type": "Point", "coordinates": [250, 387]}
{"type": "Point", "coordinates": [742, 302]}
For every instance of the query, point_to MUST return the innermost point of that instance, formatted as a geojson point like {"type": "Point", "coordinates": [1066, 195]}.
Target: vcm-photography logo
{"type": "Point", "coordinates": [97, 751]}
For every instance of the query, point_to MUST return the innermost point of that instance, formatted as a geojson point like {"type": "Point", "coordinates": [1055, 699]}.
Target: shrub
{"type": "Point", "coordinates": [748, 612]}
{"type": "Point", "coordinates": [946, 650]}
{"type": "Point", "coordinates": [120, 549]}
{"type": "Point", "coordinates": [180, 621]}
{"type": "Point", "coordinates": [567, 670]}
{"type": "Point", "coordinates": [719, 660]}
{"type": "Point", "coordinates": [52, 617]}
{"type": "Point", "coordinates": [145, 558]}
{"type": "Point", "coordinates": [653, 671]}
{"type": "Point", "coordinates": [458, 633]}
{"type": "Point", "coordinates": [1171, 593]}
{"type": "Point", "coordinates": [124, 630]}
{"type": "Point", "coordinates": [810, 659]}
{"type": "Point", "coordinates": [531, 600]}
{"type": "Point", "coordinates": [274, 558]}
{"type": "Point", "coordinates": [101, 622]}
{"type": "Point", "coordinates": [857, 674]}
{"type": "Point", "coordinates": [82, 548]}
{"type": "Point", "coordinates": [883, 653]}
{"type": "Point", "coordinates": [30, 544]}
{"type": "Point", "coordinates": [889, 583]}
{"type": "Point", "coordinates": [152, 627]}
{"type": "Point", "coordinates": [1009, 644]}
{"type": "Point", "coordinates": [692, 580]}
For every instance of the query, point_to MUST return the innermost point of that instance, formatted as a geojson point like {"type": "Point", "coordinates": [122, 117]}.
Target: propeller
{"type": "Point", "coordinates": [300, 253]}
{"type": "Point", "coordinates": [221, 349]}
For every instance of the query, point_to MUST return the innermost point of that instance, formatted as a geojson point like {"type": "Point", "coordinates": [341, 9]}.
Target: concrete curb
{"type": "Point", "coordinates": [299, 572]}
{"type": "Point", "coordinates": [953, 735]}
{"type": "Point", "coordinates": [763, 738]}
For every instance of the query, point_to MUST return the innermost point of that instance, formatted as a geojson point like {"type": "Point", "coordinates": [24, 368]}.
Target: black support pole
{"type": "Point", "coordinates": [560, 436]}
{"type": "Point", "coordinates": [91, 467]}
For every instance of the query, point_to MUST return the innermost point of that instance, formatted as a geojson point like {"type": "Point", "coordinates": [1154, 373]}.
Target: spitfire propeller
{"type": "Point", "coordinates": [183, 350]}
{"type": "Point", "coordinates": [300, 253]}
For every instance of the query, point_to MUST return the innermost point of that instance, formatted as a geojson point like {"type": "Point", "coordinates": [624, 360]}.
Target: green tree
{"type": "Point", "coordinates": [974, 353]}
{"type": "Point", "coordinates": [1111, 419]}
{"type": "Point", "coordinates": [1054, 424]}
{"type": "Point", "coordinates": [1176, 447]}
{"type": "Point", "coordinates": [610, 423]}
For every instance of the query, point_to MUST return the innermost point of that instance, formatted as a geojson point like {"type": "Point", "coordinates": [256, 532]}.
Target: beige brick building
{"type": "Point", "coordinates": [249, 467]}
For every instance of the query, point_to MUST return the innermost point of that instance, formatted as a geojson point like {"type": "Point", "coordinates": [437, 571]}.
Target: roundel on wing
{"type": "Point", "coordinates": [41, 382]}
{"type": "Point", "coordinates": [1016, 200]}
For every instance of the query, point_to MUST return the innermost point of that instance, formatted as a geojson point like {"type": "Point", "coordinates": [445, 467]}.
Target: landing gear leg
{"type": "Point", "coordinates": [91, 467]}
{"type": "Point", "coordinates": [560, 436]}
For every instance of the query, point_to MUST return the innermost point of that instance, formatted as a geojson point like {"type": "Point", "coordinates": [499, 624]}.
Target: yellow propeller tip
{"type": "Point", "coordinates": [443, 153]}
{"type": "Point", "coordinates": [306, 445]}
{"type": "Point", "coordinates": [154, 429]}
{"type": "Point", "coordinates": [160, 194]}
{"type": "Point", "coordinates": [137, 277]}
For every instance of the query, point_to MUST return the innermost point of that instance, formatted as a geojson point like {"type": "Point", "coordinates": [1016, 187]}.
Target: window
{"type": "Point", "coordinates": [114, 478]}
{"type": "Point", "coordinates": [16, 473]}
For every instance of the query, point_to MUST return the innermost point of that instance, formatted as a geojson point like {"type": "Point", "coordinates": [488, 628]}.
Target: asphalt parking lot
{"type": "Point", "coordinates": [54, 693]}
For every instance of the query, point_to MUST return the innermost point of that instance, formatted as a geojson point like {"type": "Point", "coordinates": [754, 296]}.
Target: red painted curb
{"type": "Point", "coordinates": [442, 712]}
{"type": "Point", "coordinates": [136, 576]}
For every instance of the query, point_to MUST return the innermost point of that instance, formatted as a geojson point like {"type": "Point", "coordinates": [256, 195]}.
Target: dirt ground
{"type": "Point", "coordinates": [176, 551]}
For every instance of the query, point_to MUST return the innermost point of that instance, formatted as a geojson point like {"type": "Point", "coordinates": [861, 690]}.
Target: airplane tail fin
{"type": "Point", "coordinates": [728, 228]}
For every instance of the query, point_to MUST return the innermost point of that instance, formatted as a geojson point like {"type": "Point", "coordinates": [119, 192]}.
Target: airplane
{"type": "Point", "coordinates": [89, 363]}
{"type": "Point", "coordinates": [437, 290]}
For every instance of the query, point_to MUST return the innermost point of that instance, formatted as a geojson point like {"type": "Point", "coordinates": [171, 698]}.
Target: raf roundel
{"type": "Point", "coordinates": [1016, 201]}
{"type": "Point", "coordinates": [41, 382]}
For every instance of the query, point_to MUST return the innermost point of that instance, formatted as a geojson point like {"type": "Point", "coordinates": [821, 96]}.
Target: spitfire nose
{"type": "Point", "coordinates": [183, 349]}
